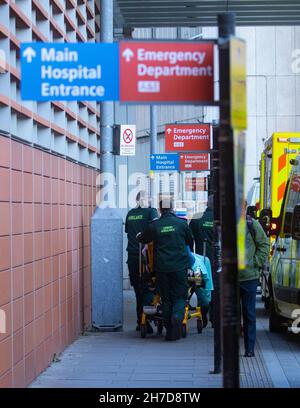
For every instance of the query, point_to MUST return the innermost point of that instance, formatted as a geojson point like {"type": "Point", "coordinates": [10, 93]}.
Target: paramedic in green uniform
{"type": "Point", "coordinates": [137, 220]}
{"type": "Point", "coordinates": [170, 236]}
{"type": "Point", "coordinates": [202, 229]}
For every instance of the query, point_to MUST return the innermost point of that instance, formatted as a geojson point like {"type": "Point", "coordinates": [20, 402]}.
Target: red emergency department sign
{"type": "Point", "coordinates": [167, 72]}
{"type": "Point", "coordinates": [187, 137]}
{"type": "Point", "coordinates": [195, 184]}
{"type": "Point", "coordinates": [194, 162]}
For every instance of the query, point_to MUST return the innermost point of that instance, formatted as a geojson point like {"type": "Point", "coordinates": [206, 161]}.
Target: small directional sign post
{"type": "Point", "coordinates": [195, 184]}
{"type": "Point", "coordinates": [164, 162]}
{"type": "Point", "coordinates": [73, 71]}
{"type": "Point", "coordinates": [187, 137]}
{"type": "Point", "coordinates": [194, 162]}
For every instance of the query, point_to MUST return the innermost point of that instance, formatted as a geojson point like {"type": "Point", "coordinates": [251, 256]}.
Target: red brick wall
{"type": "Point", "coordinates": [45, 207]}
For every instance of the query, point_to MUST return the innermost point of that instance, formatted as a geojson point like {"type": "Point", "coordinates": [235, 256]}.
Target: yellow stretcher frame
{"type": "Point", "coordinates": [189, 313]}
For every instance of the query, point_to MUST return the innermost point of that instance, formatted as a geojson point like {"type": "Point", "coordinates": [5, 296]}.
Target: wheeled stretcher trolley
{"type": "Point", "coordinates": [152, 309]}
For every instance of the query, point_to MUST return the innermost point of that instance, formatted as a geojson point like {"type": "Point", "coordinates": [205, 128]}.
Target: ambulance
{"type": "Point", "coordinates": [277, 161]}
{"type": "Point", "coordinates": [275, 168]}
{"type": "Point", "coordinates": [284, 279]}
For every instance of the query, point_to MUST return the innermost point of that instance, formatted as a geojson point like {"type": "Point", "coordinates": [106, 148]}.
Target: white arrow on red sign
{"type": "Point", "coordinates": [127, 54]}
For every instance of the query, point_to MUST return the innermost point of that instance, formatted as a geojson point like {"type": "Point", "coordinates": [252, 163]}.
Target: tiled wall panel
{"type": "Point", "coordinates": [45, 207]}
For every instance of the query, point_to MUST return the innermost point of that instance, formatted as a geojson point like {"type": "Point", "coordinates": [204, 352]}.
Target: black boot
{"type": "Point", "coordinates": [168, 336]}
{"type": "Point", "coordinates": [176, 328]}
{"type": "Point", "coordinates": [204, 312]}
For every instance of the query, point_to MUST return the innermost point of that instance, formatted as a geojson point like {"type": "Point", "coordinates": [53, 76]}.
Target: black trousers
{"type": "Point", "coordinates": [135, 281]}
{"type": "Point", "coordinates": [173, 288]}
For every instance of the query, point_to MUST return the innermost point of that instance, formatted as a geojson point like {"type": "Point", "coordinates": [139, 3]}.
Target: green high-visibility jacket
{"type": "Point", "coordinates": [170, 236]}
{"type": "Point", "coordinates": [257, 251]}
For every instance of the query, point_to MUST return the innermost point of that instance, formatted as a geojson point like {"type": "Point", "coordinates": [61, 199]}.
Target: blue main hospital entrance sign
{"type": "Point", "coordinates": [164, 162]}
{"type": "Point", "coordinates": [70, 71]}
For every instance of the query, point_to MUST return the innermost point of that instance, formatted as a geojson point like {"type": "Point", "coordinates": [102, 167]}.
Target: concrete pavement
{"type": "Point", "coordinates": [123, 359]}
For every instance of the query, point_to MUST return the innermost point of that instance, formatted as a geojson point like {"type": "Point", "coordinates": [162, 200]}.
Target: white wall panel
{"type": "Point", "coordinates": [283, 51]}
{"type": "Point", "coordinates": [286, 95]}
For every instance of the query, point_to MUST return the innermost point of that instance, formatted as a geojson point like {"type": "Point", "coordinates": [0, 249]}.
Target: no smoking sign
{"type": "Point", "coordinates": [127, 140]}
{"type": "Point", "coordinates": [128, 136]}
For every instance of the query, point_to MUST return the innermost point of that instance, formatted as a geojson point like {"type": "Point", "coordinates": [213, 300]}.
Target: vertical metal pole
{"type": "Point", "coordinates": [153, 149]}
{"type": "Point", "coordinates": [107, 108]}
{"type": "Point", "coordinates": [106, 222]}
{"type": "Point", "coordinates": [229, 276]}
{"type": "Point", "coordinates": [216, 254]}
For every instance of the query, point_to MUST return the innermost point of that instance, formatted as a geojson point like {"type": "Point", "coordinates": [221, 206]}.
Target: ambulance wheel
{"type": "Point", "coordinates": [183, 331]}
{"type": "Point", "coordinates": [160, 328]}
{"type": "Point", "coordinates": [275, 321]}
{"type": "Point", "coordinates": [199, 326]}
{"type": "Point", "coordinates": [143, 331]}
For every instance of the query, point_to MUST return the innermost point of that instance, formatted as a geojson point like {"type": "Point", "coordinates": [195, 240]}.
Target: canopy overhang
{"type": "Point", "coordinates": [201, 13]}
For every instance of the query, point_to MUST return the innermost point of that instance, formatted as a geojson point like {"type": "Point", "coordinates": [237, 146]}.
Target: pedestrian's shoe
{"type": "Point", "coordinates": [149, 328]}
{"type": "Point", "coordinates": [249, 354]}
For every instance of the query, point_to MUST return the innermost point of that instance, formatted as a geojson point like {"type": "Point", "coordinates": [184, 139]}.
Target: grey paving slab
{"type": "Point", "coordinates": [281, 353]}
{"type": "Point", "coordinates": [122, 359]}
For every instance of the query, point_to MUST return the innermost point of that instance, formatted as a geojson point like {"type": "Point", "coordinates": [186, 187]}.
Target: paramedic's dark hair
{"type": "Point", "coordinates": [166, 203]}
{"type": "Point", "coordinates": [140, 194]}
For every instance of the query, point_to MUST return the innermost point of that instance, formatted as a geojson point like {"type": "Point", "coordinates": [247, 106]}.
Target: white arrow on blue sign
{"type": "Point", "coordinates": [164, 162]}
{"type": "Point", "coordinates": [70, 71]}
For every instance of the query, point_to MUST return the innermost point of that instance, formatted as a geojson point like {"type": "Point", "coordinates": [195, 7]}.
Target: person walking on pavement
{"type": "Point", "coordinates": [170, 236]}
{"type": "Point", "coordinates": [257, 252]}
{"type": "Point", "coordinates": [202, 229]}
{"type": "Point", "coordinates": [137, 220]}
